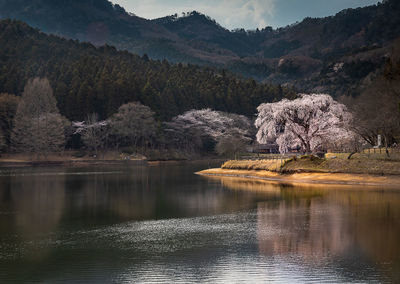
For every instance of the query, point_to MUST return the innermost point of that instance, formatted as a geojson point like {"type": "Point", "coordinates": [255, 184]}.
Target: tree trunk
{"type": "Point", "coordinates": [386, 147]}
{"type": "Point", "coordinates": [351, 155]}
{"type": "Point", "coordinates": [308, 149]}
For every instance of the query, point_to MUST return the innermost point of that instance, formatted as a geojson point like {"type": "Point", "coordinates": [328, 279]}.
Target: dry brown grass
{"type": "Point", "coordinates": [361, 163]}
{"type": "Point", "coordinates": [357, 165]}
{"type": "Point", "coordinates": [266, 165]}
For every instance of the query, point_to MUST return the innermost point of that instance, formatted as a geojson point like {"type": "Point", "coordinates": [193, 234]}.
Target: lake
{"type": "Point", "coordinates": [162, 223]}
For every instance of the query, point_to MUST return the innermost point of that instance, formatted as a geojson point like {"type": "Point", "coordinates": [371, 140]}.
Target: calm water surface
{"type": "Point", "coordinates": [162, 223]}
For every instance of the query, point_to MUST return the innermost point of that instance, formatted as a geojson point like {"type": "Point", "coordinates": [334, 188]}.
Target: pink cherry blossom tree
{"type": "Point", "coordinates": [310, 122]}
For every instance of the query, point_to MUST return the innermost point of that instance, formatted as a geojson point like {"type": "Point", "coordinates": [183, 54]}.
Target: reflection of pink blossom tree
{"type": "Point", "coordinates": [310, 122]}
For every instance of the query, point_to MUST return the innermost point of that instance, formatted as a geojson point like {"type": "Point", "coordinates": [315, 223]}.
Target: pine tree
{"type": "Point", "coordinates": [3, 144]}
{"type": "Point", "coordinates": [8, 108]}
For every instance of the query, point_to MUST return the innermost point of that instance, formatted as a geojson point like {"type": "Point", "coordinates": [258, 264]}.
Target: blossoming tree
{"type": "Point", "coordinates": [309, 122]}
{"type": "Point", "coordinates": [93, 132]}
{"type": "Point", "coordinates": [195, 128]}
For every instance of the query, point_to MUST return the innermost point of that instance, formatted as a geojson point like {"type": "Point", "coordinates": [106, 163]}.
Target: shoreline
{"type": "Point", "coordinates": [16, 163]}
{"type": "Point", "coordinates": [308, 178]}
{"type": "Point", "coordinates": [44, 163]}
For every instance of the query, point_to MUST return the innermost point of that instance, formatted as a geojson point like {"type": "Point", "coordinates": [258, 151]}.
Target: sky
{"type": "Point", "coordinates": [247, 14]}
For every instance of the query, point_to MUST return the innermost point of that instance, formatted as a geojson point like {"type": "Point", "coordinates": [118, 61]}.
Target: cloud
{"type": "Point", "coordinates": [231, 14]}
{"type": "Point", "coordinates": [246, 13]}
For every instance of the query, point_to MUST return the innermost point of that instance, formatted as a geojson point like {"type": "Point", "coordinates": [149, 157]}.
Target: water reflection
{"type": "Point", "coordinates": [39, 201]}
{"type": "Point", "coordinates": [31, 205]}
{"type": "Point", "coordinates": [162, 223]}
{"type": "Point", "coordinates": [319, 224]}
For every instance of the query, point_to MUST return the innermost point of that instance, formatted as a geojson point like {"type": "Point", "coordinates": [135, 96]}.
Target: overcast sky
{"type": "Point", "coordinates": [247, 14]}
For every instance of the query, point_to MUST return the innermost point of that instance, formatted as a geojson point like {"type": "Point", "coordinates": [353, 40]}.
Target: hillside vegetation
{"type": "Point", "coordinates": [86, 79]}
{"type": "Point", "coordinates": [336, 54]}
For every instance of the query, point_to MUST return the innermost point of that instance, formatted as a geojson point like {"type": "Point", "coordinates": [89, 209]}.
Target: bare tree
{"type": "Point", "coordinates": [231, 145]}
{"type": "Point", "coordinates": [48, 132]}
{"type": "Point", "coordinates": [38, 126]}
{"type": "Point", "coordinates": [377, 112]}
{"type": "Point", "coordinates": [132, 124]}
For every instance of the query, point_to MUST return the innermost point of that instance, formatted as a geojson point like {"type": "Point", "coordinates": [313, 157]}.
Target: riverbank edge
{"type": "Point", "coordinates": [82, 162]}
{"type": "Point", "coordinates": [44, 163]}
{"type": "Point", "coordinates": [307, 178]}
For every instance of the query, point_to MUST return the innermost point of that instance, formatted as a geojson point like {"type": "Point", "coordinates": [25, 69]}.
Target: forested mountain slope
{"type": "Point", "coordinates": [301, 54]}
{"type": "Point", "coordinates": [88, 79]}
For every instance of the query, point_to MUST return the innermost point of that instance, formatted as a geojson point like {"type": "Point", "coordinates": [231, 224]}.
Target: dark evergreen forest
{"type": "Point", "coordinates": [88, 79]}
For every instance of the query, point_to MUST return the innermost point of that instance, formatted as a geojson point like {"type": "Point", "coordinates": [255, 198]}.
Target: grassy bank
{"type": "Point", "coordinates": [392, 181]}
{"type": "Point", "coordinates": [265, 164]}
{"type": "Point", "coordinates": [361, 169]}
{"type": "Point", "coordinates": [358, 164]}
{"type": "Point", "coordinates": [361, 163]}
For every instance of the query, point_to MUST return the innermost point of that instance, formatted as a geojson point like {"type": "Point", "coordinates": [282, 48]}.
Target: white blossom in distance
{"type": "Point", "coordinates": [93, 132]}
{"type": "Point", "coordinates": [212, 123]}
{"type": "Point", "coordinates": [190, 128]}
{"type": "Point", "coordinates": [81, 126]}
{"type": "Point", "coordinates": [310, 122]}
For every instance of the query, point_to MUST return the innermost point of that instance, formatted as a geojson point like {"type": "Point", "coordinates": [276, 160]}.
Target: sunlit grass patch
{"type": "Point", "coordinates": [377, 163]}
{"type": "Point", "coordinates": [266, 165]}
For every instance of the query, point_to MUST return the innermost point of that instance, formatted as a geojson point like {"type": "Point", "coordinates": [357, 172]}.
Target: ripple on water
{"type": "Point", "coordinates": [283, 237]}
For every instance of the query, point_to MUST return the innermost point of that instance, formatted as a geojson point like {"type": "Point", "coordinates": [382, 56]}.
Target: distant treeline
{"type": "Point", "coordinates": [32, 124]}
{"type": "Point", "coordinates": [86, 79]}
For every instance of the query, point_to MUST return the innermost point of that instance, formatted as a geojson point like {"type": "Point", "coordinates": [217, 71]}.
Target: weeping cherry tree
{"type": "Point", "coordinates": [310, 122]}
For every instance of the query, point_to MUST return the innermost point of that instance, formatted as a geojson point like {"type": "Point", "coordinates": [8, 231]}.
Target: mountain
{"type": "Point", "coordinates": [88, 79]}
{"type": "Point", "coordinates": [303, 54]}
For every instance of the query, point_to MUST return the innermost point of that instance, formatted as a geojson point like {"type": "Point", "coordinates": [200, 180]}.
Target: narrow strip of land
{"type": "Point", "coordinates": [313, 178]}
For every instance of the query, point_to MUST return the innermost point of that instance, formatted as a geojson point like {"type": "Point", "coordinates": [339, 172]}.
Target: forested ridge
{"type": "Point", "coordinates": [303, 54]}
{"type": "Point", "coordinates": [87, 79]}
